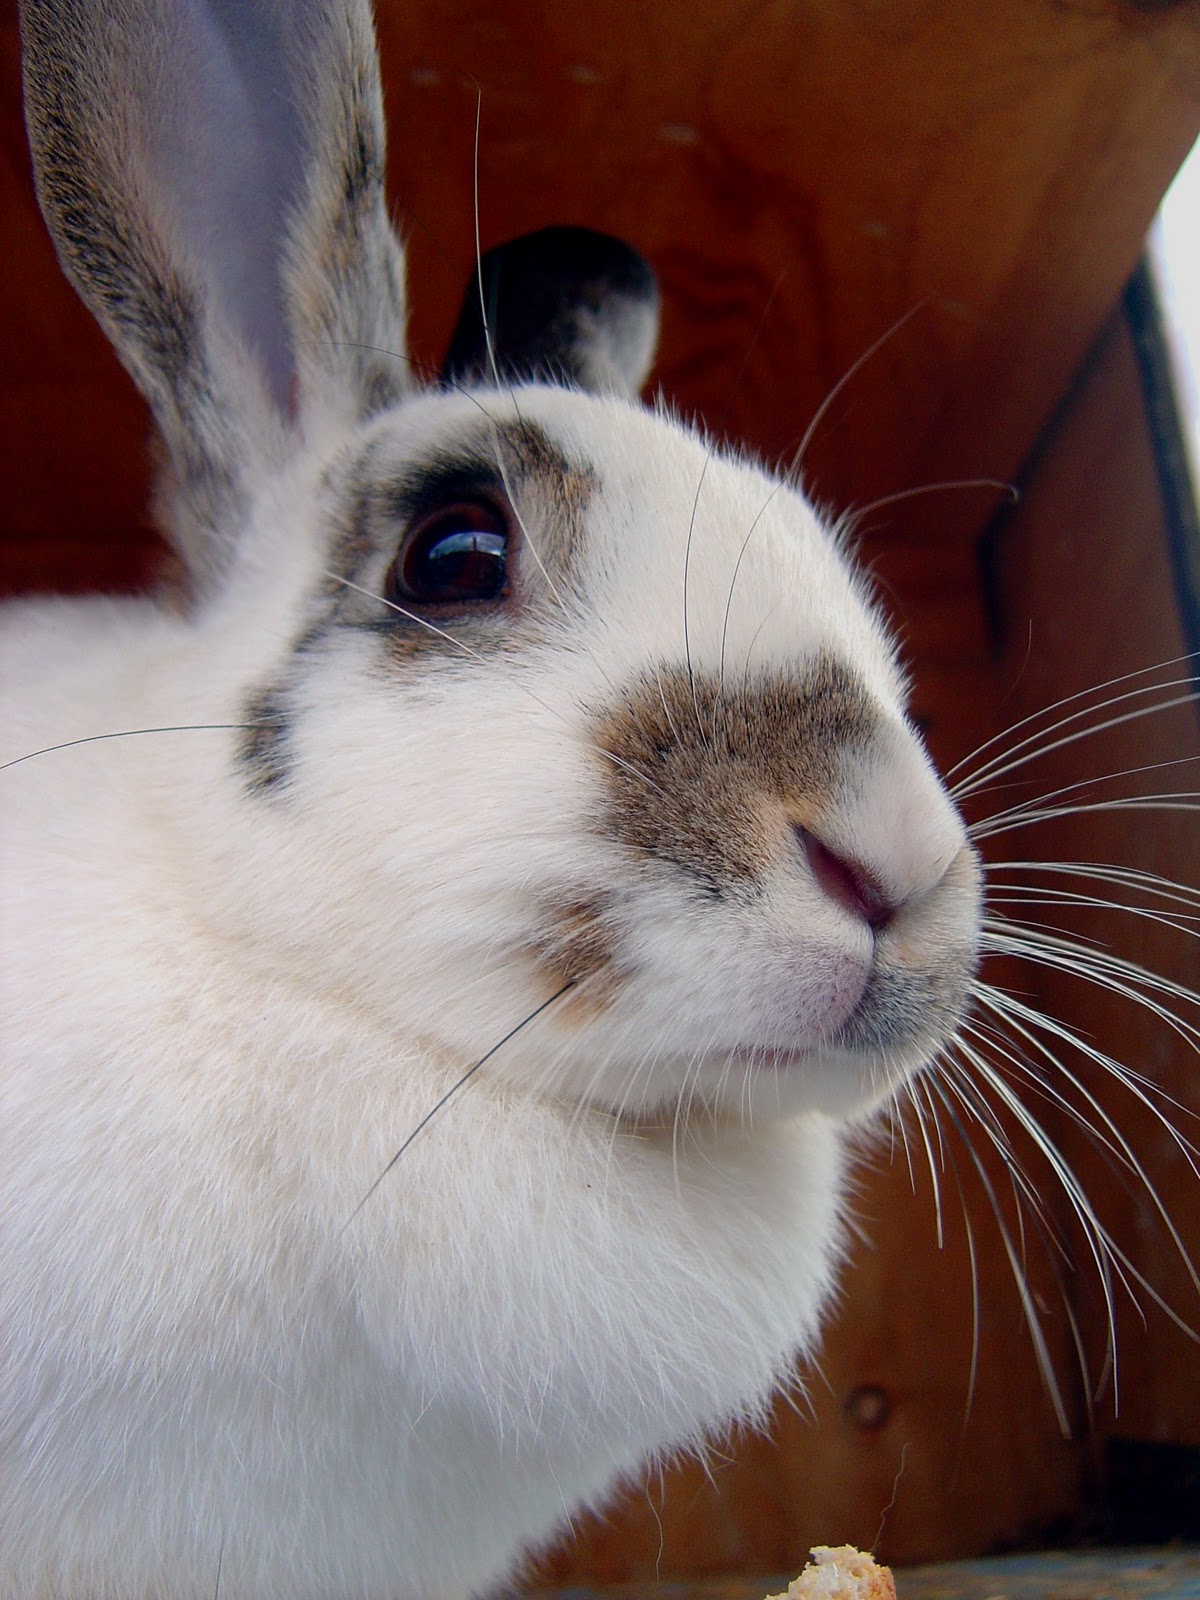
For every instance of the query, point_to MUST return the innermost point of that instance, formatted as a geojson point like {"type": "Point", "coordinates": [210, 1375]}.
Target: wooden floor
{"type": "Point", "coordinates": [1092, 1575]}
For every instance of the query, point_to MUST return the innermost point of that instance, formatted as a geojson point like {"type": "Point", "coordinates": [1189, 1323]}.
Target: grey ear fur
{"type": "Point", "coordinates": [563, 304]}
{"type": "Point", "coordinates": [212, 173]}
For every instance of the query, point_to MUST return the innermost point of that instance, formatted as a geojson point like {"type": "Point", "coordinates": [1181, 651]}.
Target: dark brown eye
{"type": "Point", "coordinates": [455, 555]}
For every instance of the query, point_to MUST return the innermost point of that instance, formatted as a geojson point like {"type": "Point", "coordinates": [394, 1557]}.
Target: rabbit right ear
{"type": "Point", "coordinates": [212, 174]}
{"type": "Point", "coordinates": [566, 305]}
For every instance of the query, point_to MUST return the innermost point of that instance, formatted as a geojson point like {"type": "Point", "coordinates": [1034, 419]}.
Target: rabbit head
{"type": "Point", "coordinates": [543, 695]}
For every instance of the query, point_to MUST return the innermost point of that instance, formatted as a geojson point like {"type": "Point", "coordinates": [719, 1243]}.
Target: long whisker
{"type": "Point", "coordinates": [1093, 781]}
{"type": "Point", "coordinates": [455, 1087]}
{"type": "Point", "coordinates": [1117, 973]}
{"type": "Point", "coordinates": [1093, 1231]}
{"type": "Point", "coordinates": [1139, 878]}
{"type": "Point", "coordinates": [129, 733]}
{"type": "Point", "coordinates": [687, 562]}
{"type": "Point", "coordinates": [490, 347]}
{"type": "Point", "coordinates": [1036, 745]}
{"type": "Point", "coordinates": [734, 385]}
{"type": "Point", "coordinates": [972, 1252]}
{"type": "Point", "coordinates": [1024, 1020]}
{"type": "Point", "coordinates": [737, 566]}
{"type": "Point", "coordinates": [943, 1088]}
{"type": "Point", "coordinates": [1057, 705]}
{"type": "Point", "coordinates": [852, 519]}
{"type": "Point", "coordinates": [1018, 894]}
{"type": "Point", "coordinates": [1043, 1083]}
{"type": "Point", "coordinates": [850, 373]}
{"type": "Point", "coordinates": [1179, 801]}
{"type": "Point", "coordinates": [1039, 803]}
{"type": "Point", "coordinates": [1104, 1269]}
{"type": "Point", "coordinates": [488, 342]}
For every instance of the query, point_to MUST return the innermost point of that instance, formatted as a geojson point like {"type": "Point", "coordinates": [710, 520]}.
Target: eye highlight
{"type": "Point", "coordinates": [457, 554]}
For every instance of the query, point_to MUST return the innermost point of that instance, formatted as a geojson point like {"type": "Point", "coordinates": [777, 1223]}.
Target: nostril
{"type": "Point", "coordinates": [850, 884]}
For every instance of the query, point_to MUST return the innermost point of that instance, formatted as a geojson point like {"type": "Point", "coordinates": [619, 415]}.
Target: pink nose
{"type": "Point", "coordinates": [850, 884]}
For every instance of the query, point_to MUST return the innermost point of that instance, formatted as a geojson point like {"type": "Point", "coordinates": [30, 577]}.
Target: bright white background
{"type": "Point", "coordinates": [1175, 250]}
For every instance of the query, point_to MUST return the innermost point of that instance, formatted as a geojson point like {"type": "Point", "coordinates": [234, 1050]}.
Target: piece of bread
{"type": "Point", "coordinates": [843, 1573]}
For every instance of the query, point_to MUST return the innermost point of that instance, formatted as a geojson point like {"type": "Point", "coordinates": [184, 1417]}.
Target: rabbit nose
{"type": "Point", "coordinates": [847, 882]}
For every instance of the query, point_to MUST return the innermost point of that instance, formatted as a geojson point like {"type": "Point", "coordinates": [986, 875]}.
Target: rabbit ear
{"type": "Point", "coordinates": [212, 174]}
{"type": "Point", "coordinates": [565, 304]}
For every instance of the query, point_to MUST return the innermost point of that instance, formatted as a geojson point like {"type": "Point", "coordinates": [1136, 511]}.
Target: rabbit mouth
{"type": "Point", "coordinates": [898, 1023]}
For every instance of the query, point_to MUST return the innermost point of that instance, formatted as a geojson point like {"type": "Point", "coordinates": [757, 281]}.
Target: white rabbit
{"type": "Point", "coordinates": [500, 699]}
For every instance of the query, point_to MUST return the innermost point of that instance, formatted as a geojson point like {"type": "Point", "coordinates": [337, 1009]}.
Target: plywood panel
{"type": "Point", "coordinates": [894, 1444]}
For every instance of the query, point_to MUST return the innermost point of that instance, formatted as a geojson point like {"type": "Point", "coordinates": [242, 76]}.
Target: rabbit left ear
{"type": "Point", "coordinates": [212, 172]}
{"type": "Point", "coordinates": [564, 304]}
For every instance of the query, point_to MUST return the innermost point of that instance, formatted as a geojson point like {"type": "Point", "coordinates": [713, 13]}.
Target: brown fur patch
{"type": "Point", "coordinates": [712, 778]}
{"type": "Point", "coordinates": [576, 946]}
{"type": "Point", "coordinates": [263, 748]}
{"type": "Point", "coordinates": [551, 494]}
{"type": "Point", "coordinates": [374, 503]}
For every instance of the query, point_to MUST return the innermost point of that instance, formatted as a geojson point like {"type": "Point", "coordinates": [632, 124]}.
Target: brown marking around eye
{"type": "Point", "coordinates": [711, 777]}
{"type": "Point", "coordinates": [373, 504]}
{"type": "Point", "coordinates": [550, 498]}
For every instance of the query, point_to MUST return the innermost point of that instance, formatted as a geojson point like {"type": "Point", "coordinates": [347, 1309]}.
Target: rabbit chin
{"type": "Point", "coordinates": [738, 1024]}
{"type": "Point", "coordinates": [754, 1085]}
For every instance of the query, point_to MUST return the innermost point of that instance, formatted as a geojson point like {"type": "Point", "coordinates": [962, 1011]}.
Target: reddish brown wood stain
{"type": "Point", "coordinates": [803, 175]}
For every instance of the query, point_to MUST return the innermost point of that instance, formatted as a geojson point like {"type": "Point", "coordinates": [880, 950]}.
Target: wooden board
{"type": "Point", "coordinates": [1089, 597]}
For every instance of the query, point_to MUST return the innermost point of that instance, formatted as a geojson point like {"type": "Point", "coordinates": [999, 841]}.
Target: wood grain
{"type": "Point", "coordinates": [1093, 1575]}
{"type": "Point", "coordinates": [801, 174]}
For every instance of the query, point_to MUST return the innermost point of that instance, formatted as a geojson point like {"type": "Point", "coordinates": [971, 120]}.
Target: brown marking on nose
{"type": "Point", "coordinates": [705, 773]}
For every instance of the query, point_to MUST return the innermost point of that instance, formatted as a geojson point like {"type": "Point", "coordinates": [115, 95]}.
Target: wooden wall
{"type": "Point", "coordinates": [804, 174]}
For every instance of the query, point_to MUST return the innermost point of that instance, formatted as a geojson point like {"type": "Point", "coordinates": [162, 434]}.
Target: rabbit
{"type": "Point", "coordinates": [432, 1027]}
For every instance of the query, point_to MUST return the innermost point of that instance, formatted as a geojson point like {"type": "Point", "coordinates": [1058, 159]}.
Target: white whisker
{"type": "Point", "coordinates": [1116, 973]}
{"type": "Point", "coordinates": [855, 367]}
{"type": "Point", "coordinates": [943, 1086]}
{"type": "Point", "coordinates": [1027, 1022]}
{"type": "Point", "coordinates": [1022, 895]}
{"type": "Point", "coordinates": [968, 784]}
{"type": "Point", "coordinates": [1150, 883]}
{"type": "Point", "coordinates": [129, 733]}
{"type": "Point", "coordinates": [1040, 804]}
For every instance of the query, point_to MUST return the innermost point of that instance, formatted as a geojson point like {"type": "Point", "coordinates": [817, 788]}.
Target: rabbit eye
{"type": "Point", "coordinates": [454, 555]}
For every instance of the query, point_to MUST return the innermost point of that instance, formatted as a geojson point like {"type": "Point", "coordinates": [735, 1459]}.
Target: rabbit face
{"type": "Point", "coordinates": [576, 725]}
{"type": "Point", "coordinates": [544, 698]}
